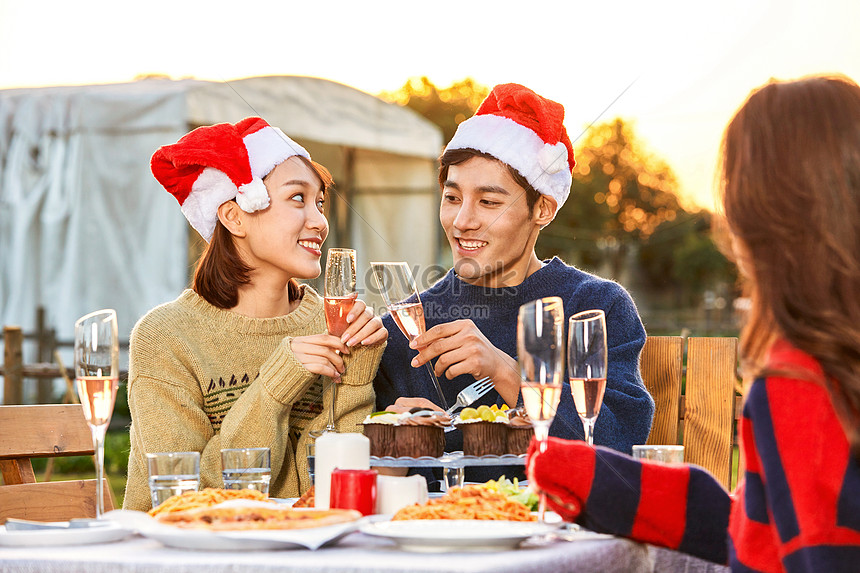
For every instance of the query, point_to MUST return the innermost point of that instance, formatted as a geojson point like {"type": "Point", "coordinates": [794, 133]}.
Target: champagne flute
{"type": "Point", "coordinates": [540, 353]}
{"type": "Point", "coordinates": [587, 364]}
{"type": "Point", "coordinates": [340, 296]}
{"type": "Point", "coordinates": [398, 290]}
{"type": "Point", "coordinates": [97, 378]}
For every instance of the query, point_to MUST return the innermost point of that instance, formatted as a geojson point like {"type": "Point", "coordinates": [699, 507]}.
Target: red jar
{"type": "Point", "coordinates": [353, 489]}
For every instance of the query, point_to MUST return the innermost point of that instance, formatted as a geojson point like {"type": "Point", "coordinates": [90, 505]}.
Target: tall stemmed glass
{"type": "Point", "coordinates": [540, 353]}
{"type": "Point", "coordinates": [398, 290]}
{"type": "Point", "coordinates": [587, 364]}
{"type": "Point", "coordinates": [340, 295]}
{"type": "Point", "coordinates": [97, 377]}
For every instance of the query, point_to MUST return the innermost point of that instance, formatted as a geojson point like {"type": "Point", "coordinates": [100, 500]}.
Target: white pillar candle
{"type": "Point", "coordinates": [346, 451]}
{"type": "Point", "coordinates": [393, 492]}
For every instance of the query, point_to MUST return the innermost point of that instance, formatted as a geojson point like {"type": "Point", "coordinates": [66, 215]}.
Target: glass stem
{"type": "Point", "coordinates": [588, 426]}
{"type": "Point", "coordinates": [438, 386]}
{"type": "Point", "coordinates": [99, 443]}
{"type": "Point", "coordinates": [541, 429]}
{"type": "Point", "coordinates": [542, 434]}
{"type": "Point", "coordinates": [333, 385]}
{"type": "Point", "coordinates": [453, 477]}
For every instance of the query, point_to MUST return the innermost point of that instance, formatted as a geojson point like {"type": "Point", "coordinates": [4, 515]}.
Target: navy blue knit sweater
{"type": "Point", "coordinates": [627, 411]}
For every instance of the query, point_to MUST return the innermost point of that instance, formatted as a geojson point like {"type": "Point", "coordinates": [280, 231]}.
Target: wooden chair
{"type": "Point", "coordinates": [37, 432]}
{"type": "Point", "coordinates": [705, 413]}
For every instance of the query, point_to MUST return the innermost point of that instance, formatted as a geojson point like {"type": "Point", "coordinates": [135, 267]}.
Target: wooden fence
{"type": "Point", "coordinates": [44, 371]}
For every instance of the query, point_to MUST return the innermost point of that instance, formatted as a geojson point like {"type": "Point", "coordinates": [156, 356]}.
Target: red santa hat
{"type": "Point", "coordinates": [524, 130]}
{"type": "Point", "coordinates": [216, 163]}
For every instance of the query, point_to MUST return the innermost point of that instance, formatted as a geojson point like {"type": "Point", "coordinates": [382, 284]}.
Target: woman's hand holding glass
{"type": "Point", "coordinates": [320, 354]}
{"type": "Point", "coordinates": [340, 300]}
{"type": "Point", "coordinates": [364, 329]}
{"type": "Point", "coordinates": [317, 352]}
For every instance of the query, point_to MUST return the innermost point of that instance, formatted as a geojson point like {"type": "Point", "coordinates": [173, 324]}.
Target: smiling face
{"type": "Point", "coordinates": [491, 230]}
{"type": "Point", "coordinates": [286, 237]}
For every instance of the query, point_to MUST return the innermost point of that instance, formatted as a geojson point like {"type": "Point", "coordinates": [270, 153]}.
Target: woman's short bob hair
{"type": "Point", "coordinates": [221, 271]}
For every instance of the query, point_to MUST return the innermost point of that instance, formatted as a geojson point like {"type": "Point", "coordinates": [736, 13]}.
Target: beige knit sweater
{"type": "Point", "coordinates": [203, 378]}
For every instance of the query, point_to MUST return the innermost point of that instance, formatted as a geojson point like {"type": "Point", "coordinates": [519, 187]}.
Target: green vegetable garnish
{"type": "Point", "coordinates": [380, 413]}
{"type": "Point", "coordinates": [512, 490]}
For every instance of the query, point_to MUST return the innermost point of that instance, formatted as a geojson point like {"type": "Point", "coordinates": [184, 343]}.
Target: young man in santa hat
{"type": "Point", "coordinates": [504, 176]}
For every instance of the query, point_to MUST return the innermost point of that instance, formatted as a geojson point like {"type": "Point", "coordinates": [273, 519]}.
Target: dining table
{"type": "Point", "coordinates": [356, 552]}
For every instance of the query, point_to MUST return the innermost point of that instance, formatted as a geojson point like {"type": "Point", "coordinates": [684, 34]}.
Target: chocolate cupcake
{"type": "Point", "coordinates": [421, 433]}
{"type": "Point", "coordinates": [520, 432]}
{"type": "Point", "coordinates": [379, 429]}
{"type": "Point", "coordinates": [485, 431]}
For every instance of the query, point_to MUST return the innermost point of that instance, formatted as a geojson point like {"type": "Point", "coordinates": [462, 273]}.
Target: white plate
{"type": "Point", "coordinates": [443, 535]}
{"type": "Point", "coordinates": [75, 536]}
{"type": "Point", "coordinates": [311, 538]}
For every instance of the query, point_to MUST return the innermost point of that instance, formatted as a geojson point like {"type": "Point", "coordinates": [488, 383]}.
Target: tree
{"type": "Point", "coordinates": [621, 194]}
{"type": "Point", "coordinates": [445, 107]}
{"type": "Point", "coordinates": [681, 259]}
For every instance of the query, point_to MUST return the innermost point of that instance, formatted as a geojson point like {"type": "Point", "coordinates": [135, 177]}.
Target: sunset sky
{"type": "Point", "coordinates": [690, 63]}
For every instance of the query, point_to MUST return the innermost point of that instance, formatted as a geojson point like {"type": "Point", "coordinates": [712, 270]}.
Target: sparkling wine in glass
{"type": "Point", "coordinates": [340, 296]}
{"type": "Point", "coordinates": [540, 353]}
{"type": "Point", "coordinates": [400, 294]}
{"type": "Point", "coordinates": [587, 364]}
{"type": "Point", "coordinates": [97, 378]}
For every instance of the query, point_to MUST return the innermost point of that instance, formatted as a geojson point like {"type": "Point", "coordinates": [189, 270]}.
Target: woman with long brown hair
{"type": "Point", "coordinates": [239, 359]}
{"type": "Point", "coordinates": [791, 197]}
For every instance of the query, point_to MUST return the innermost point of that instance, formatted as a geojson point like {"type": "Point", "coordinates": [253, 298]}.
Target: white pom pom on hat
{"type": "Point", "coordinates": [526, 131]}
{"type": "Point", "coordinates": [216, 163]}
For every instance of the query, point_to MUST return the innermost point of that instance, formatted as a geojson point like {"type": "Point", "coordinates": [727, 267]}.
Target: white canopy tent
{"type": "Point", "coordinates": [84, 225]}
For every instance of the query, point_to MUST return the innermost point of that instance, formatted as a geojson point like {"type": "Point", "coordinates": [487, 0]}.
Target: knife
{"type": "Point", "coordinates": [15, 524]}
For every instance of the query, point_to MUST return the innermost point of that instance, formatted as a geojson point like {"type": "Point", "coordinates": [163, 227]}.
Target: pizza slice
{"type": "Point", "coordinates": [239, 518]}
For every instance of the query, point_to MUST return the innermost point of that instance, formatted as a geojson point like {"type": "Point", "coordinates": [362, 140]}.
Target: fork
{"type": "Point", "coordinates": [471, 393]}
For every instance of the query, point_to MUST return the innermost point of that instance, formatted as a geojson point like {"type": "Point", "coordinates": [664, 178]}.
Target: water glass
{"type": "Point", "coordinates": [246, 468]}
{"type": "Point", "coordinates": [311, 453]}
{"type": "Point", "coordinates": [667, 454]}
{"type": "Point", "coordinates": [172, 473]}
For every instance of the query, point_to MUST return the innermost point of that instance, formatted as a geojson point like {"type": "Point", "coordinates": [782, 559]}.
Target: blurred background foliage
{"type": "Point", "coordinates": [446, 107]}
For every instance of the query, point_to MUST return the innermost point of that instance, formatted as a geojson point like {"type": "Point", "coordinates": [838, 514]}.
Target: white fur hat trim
{"type": "Point", "coordinates": [252, 196]}
{"type": "Point", "coordinates": [544, 166]}
{"type": "Point", "coordinates": [211, 188]}
{"type": "Point", "coordinates": [269, 147]}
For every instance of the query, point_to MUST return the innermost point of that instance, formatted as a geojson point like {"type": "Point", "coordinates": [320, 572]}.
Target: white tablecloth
{"type": "Point", "coordinates": [354, 553]}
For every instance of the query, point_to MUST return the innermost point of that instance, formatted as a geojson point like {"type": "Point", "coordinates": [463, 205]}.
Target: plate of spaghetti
{"type": "Point", "coordinates": [468, 502]}
{"type": "Point", "coordinates": [204, 498]}
{"type": "Point", "coordinates": [448, 523]}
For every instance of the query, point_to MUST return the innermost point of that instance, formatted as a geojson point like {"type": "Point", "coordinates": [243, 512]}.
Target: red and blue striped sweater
{"type": "Point", "coordinates": [796, 509]}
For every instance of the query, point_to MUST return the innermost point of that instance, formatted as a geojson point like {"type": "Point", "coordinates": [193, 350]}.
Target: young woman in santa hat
{"type": "Point", "coordinates": [791, 196]}
{"type": "Point", "coordinates": [239, 360]}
